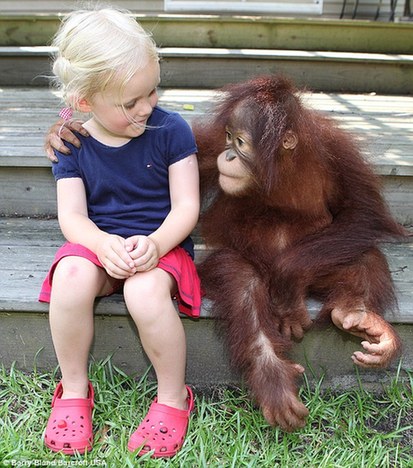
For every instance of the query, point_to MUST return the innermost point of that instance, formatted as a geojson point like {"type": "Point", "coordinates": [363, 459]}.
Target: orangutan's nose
{"type": "Point", "coordinates": [230, 156]}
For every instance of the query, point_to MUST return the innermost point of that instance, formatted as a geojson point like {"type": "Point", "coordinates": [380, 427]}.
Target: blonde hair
{"type": "Point", "coordinates": [96, 49]}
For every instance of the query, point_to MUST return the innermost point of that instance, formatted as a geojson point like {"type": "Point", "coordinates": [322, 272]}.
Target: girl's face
{"type": "Point", "coordinates": [126, 115]}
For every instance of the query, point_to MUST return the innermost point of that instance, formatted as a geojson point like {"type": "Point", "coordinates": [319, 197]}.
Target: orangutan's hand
{"type": "Point", "coordinates": [381, 342]}
{"type": "Point", "coordinates": [58, 133]}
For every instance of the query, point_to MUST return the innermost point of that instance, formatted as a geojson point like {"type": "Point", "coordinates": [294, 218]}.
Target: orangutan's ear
{"type": "Point", "coordinates": [290, 140]}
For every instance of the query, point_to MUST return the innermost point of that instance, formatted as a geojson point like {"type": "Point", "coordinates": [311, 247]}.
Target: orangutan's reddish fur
{"type": "Point", "coordinates": [309, 224]}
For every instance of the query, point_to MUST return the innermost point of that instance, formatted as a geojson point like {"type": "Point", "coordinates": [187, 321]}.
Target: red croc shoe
{"type": "Point", "coordinates": [163, 429]}
{"type": "Point", "coordinates": [69, 429]}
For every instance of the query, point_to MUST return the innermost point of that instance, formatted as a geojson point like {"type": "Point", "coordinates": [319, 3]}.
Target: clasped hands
{"type": "Point", "coordinates": [122, 258]}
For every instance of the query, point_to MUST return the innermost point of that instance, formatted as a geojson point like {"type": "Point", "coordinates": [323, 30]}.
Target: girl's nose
{"type": "Point", "coordinates": [145, 108]}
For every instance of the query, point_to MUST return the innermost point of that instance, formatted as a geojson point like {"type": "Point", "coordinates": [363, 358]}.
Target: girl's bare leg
{"type": "Point", "coordinates": [76, 284]}
{"type": "Point", "coordinates": [148, 298]}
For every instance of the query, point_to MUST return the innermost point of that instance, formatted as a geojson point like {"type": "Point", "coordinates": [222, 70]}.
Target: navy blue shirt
{"type": "Point", "coordinates": [127, 188]}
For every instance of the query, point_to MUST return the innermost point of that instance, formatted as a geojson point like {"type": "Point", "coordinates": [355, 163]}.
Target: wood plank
{"type": "Point", "coordinates": [211, 68]}
{"type": "Point", "coordinates": [384, 124]}
{"type": "Point", "coordinates": [32, 191]}
{"type": "Point", "coordinates": [398, 193]}
{"type": "Point", "coordinates": [28, 245]}
{"type": "Point", "coordinates": [25, 342]}
{"type": "Point", "coordinates": [279, 7]}
{"type": "Point", "coordinates": [266, 54]}
{"type": "Point", "coordinates": [317, 74]}
{"type": "Point", "coordinates": [68, 5]}
{"type": "Point", "coordinates": [366, 9]}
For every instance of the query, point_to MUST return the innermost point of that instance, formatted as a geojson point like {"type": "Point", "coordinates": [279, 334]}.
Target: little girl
{"type": "Point", "coordinates": [128, 199]}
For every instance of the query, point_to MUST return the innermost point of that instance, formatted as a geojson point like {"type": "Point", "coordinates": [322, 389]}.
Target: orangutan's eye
{"type": "Point", "coordinates": [240, 142]}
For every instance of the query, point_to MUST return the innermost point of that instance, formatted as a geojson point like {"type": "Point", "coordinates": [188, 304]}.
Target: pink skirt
{"type": "Point", "coordinates": [177, 262]}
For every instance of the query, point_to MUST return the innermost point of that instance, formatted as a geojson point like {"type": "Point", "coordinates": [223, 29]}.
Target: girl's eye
{"type": "Point", "coordinates": [130, 105]}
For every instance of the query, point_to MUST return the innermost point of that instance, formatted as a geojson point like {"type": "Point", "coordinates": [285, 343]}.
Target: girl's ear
{"type": "Point", "coordinates": [83, 105]}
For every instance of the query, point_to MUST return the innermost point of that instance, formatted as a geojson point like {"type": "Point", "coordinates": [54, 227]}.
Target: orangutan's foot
{"type": "Point", "coordinates": [289, 414]}
{"type": "Point", "coordinates": [286, 411]}
{"type": "Point", "coordinates": [295, 325]}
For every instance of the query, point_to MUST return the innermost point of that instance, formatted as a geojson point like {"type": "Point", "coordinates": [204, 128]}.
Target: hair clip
{"type": "Point", "coordinates": [66, 113]}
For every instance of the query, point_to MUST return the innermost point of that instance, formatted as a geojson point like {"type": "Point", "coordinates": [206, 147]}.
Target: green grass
{"type": "Point", "coordinates": [345, 429]}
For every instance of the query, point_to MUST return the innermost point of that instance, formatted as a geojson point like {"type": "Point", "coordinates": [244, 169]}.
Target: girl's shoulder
{"type": "Point", "coordinates": [172, 137]}
{"type": "Point", "coordinates": [87, 145]}
{"type": "Point", "coordinates": [74, 150]}
{"type": "Point", "coordinates": [163, 118]}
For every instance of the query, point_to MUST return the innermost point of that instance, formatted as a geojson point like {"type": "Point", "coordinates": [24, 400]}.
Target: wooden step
{"type": "Point", "coordinates": [383, 124]}
{"type": "Point", "coordinates": [214, 67]}
{"type": "Point", "coordinates": [27, 247]}
{"type": "Point", "coordinates": [234, 32]}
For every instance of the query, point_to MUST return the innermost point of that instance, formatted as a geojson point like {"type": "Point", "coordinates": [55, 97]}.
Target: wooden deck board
{"type": "Point", "coordinates": [232, 31]}
{"type": "Point", "coordinates": [211, 67]}
{"type": "Point", "coordinates": [384, 124]}
{"type": "Point", "coordinates": [27, 248]}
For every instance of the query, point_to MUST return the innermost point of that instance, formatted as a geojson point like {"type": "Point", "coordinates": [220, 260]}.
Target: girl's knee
{"type": "Point", "coordinates": [148, 293]}
{"type": "Point", "coordinates": [76, 283]}
{"type": "Point", "coordinates": [75, 272]}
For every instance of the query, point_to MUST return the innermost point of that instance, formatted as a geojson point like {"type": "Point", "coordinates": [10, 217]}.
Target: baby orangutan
{"type": "Point", "coordinates": [294, 211]}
